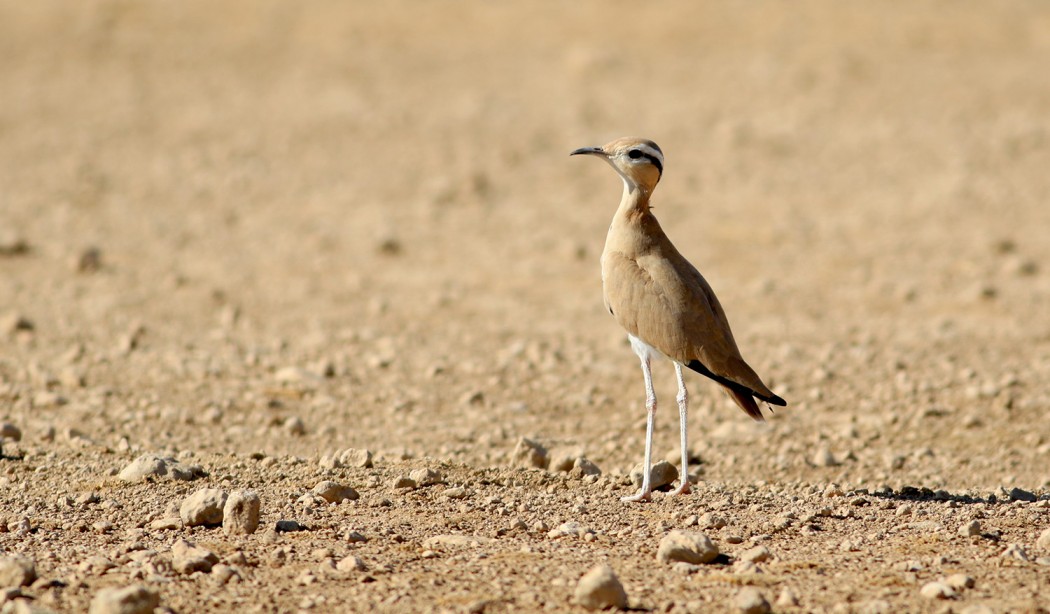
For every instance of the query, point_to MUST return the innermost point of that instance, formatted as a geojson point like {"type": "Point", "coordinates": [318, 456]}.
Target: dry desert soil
{"type": "Point", "coordinates": [258, 238]}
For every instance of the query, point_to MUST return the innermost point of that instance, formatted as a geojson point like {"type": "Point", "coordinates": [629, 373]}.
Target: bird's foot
{"type": "Point", "coordinates": [641, 495]}
{"type": "Point", "coordinates": [683, 489]}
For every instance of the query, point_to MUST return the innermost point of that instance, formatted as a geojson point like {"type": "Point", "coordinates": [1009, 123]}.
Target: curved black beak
{"type": "Point", "coordinates": [594, 151]}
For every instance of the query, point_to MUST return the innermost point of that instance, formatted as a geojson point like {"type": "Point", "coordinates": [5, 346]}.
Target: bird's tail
{"type": "Point", "coordinates": [743, 397]}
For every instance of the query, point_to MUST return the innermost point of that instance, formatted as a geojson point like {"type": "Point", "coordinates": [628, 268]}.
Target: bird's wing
{"type": "Point", "coordinates": [663, 300]}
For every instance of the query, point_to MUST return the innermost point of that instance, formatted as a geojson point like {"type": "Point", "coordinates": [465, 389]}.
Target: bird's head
{"type": "Point", "coordinates": [638, 161]}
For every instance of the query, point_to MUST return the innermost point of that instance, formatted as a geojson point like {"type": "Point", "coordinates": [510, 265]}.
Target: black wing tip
{"type": "Point", "coordinates": [702, 369]}
{"type": "Point", "coordinates": [776, 400]}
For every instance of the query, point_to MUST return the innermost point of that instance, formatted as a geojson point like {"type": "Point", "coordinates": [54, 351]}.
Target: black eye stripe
{"type": "Point", "coordinates": [656, 162]}
{"type": "Point", "coordinates": [635, 154]}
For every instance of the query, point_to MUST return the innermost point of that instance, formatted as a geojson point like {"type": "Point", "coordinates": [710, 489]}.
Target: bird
{"type": "Point", "coordinates": [666, 306]}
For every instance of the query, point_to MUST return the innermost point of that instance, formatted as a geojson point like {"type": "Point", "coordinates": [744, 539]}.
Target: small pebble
{"type": "Point", "coordinates": [203, 508]}
{"type": "Point", "coordinates": [661, 474]}
{"type": "Point", "coordinates": [758, 554]}
{"type": "Point", "coordinates": [695, 548]}
{"type": "Point", "coordinates": [334, 492]}
{"type": "Point", "coordinates": [187, 557]}
{"type": "Point", "coordinates": [425, 477]}
{"type": "Point", "coordinates": [289, 526]}
{"type": "Point", "coordinates": [527, 453]}
{"type": "Point", "coordinates": [937, 590]}
{"type": "Point", "coordinates": [970, 529]}
{"type": "Point", "coordinates": [959, 581]}
{"type": "Point", "coordinates": [787, 599]}
{"type": "Point", "coordinates": [134, 599]}
{"type": "Point", "coordinates": [17, 571]}
{"type": "Point", "coordinates": [240, 513]}
{"type": "Point", "coordinates": [10, 431]}
{"type": "Point", "coordinates": [824, 458]}
{"type": "Point", "coordinates": [351, 563]}
{"type": "Point", "coordinates": [152, 465]}
{"type": "Point", "coordinates": [710, 520]}
{"type": "Point", "coordinates": [749, 600]}
{"type": "Point", "coordinates": [600, 589]}
{"type": "Point", "coordinates": [1044, 540]}
{"type": "Point", "coordinates": [350, 457]}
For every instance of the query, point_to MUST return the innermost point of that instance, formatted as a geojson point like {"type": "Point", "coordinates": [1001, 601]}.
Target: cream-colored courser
{"type": "Point", "coordinates": [663, 302]}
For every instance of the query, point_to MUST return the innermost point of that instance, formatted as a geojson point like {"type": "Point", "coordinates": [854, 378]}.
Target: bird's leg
{"type": "Point", "coordinates": [683, 418]}
{"type": "Point", "coordinates": [650, 407]}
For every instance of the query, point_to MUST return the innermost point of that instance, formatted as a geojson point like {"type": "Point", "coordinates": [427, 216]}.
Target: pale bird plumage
{"type": "Point", "coordinates": [662, 301]}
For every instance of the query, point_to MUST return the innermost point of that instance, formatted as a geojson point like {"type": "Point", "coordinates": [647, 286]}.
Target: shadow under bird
{"type": "Point", "coordinates": [667, 308]}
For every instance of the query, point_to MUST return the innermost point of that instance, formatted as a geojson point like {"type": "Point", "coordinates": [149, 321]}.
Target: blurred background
{"type": "Point", "coordinates": [220, 217]}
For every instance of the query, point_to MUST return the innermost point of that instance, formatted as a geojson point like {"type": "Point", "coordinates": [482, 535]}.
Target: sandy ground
{"type": "Point", "coordinates": [248, 234]}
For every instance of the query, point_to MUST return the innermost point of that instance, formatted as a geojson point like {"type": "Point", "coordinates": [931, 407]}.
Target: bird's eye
{"type": "Point", "coordinates": [634, 154]}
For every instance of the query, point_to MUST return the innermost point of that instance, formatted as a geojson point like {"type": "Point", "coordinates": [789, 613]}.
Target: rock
{"type": "Point", "coordinates": [89, 260]}
{"type": "Point", "coordinates": [12, 244]}
{"type": "Point", "coordinates": [10, 431]}
{"type": "Point", "coordinates": [661, 474]}
{"type": "Point", "coordinates": [295, 425]}
{"type": "Point", "coordinates": [224, 573]}
{"type": "Point", "coordinates": [14, 323]}
{"type": "Point", "coordinates": [437, 541]}
{"type": "Point", "coordinates": [203, 508]}
{"type": "Point", "coordinates": [240, 514]}
{"type": "Point", "coordinates": [1017, 494]}
{"type": "Point", "coordinates": [568, 529]}
{"type": "Point", "coordinates": [563, 460]}
{"type": "Point", "coordinates": [402, 481]}
{"type": "Point", "coordinates": [824, 458]}
{"type": "Point", "coordinates": [959, 581]}
{"type": "Point", "coordinates": [351, 563]}
{"type": "Point", "coordinates": [1044, 540]}
{"type": "Point", "coordinates": [749, 600]}
{"type": "Point", "coordinates": [600, 589]}
{"type": "Point", "coordinates": [350, 457]}
{"type": "Point", "coordinates": [167, 523]}
{"type": "Point", "coordinates": [17, 571]}
{"type": "Point", "coordinates": [528, 453]}
{"type": "Point", "coordinates": [694, 548]}
{"type": "Point", "coordinates": [425, 477]}
{"type": "Point", "coordinates": [977, 608]}
{"type": "Point", "coordinates": [787, 599]}
{"type": "Point", "coordinates": [937, 590]}
{"type": "Point", "coordinates": [152, 465]}
{"type": "Point", "coordinates": [334, 492]}
{"type": "Point", "coordinates": [135, 599]}
{"type": "Point", "coordinates": [873, 606]}
{"type": "Point", "coordinates": [970, 528]}
{"type": "Point", "coordinates": [710, 520]}
{"type": "Point", "coordinates": [187, 557]}
{"type": "Point", "coordinates": [758, 554]}
{"type": "Point", "coordinates": [290, 526]}
{"type": "Point", "coordinates": [1015, 552]}
{"type": "Point", "coordinates": [582, 466]}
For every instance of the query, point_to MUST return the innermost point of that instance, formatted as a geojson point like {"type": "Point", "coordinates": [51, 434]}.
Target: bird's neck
{"type": "Point", "coordinates": [635, 201]}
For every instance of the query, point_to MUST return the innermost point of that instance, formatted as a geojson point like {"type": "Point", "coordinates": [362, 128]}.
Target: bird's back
{"type": "Point", "coordinates": [659, 296]}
